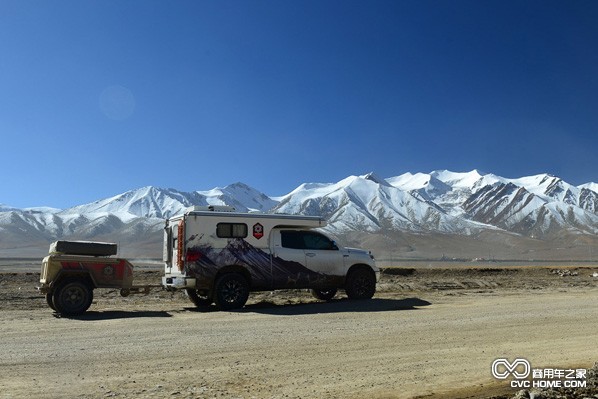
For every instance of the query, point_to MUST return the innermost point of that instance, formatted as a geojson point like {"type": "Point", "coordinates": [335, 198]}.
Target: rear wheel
{"type": "Point", "coordinates": [199, 300]}
{"type": "Point", "coordinates": [325, 294]}
{"type": "Point", "coordinates": [361, 284]}
{"type": "Point", "coordinates": [231, 291]}
{"type": "Point", "coordinates": [72, 297]}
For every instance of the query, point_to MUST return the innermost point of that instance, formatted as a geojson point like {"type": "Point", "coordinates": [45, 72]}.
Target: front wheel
{"type": "Point", "coordinates": [231, 291]}
{"type": "Point", "coordinates": [199, 300]}
{"type": "Point", "coordinates": [72, 297]}
{"type": "Point", "coordinates": [324, 295]}
{"type": "Point", "coordinates": [361, 284]}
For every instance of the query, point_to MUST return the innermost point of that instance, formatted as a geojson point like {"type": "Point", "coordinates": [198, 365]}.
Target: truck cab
{"type": "Point", "coordinates": [219, 256]}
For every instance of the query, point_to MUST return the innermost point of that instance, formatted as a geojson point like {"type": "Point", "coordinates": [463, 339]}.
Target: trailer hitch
{"type": "Point", "coordinates": [137, 290]}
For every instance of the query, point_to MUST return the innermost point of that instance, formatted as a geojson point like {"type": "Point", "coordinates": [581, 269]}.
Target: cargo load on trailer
{"type": "Point", "coordinates": [218, 256]}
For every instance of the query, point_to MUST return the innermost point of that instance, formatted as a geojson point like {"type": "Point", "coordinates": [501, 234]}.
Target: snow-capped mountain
{"type": "Point", "coordinates": [444, 202]}
{"type": "Point", "coordinates": [535, 205]}
{"type": "Point", "coordinates": [161, 203]}
{"type": "Point", "coordinates": [372, 204]}
{"type": "Point", "coordinates": [589, 186]}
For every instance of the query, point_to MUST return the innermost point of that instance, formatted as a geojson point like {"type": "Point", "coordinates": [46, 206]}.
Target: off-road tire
{"type": "Point", "coordinates": [324, 294]}
{"type": "Point", "coordinates": [49, 301]}
{"type": "Point", "coordinates": [361, 284]}
{"type": "Point", "coordinates": [231, 291]}
{"type": "Point", "coordinates": [72, 297]}
{"type": "Point", "coordinates": [201, 301]}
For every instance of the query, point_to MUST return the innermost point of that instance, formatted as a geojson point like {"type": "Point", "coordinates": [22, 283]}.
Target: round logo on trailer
{"type": "Point", "coordinates": [108, 270]}
{"type": "Point", "coordinates": [258, 231]}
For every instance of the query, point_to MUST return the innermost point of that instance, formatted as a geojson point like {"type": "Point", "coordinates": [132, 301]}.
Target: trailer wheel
{"type": "Point", "coordinates": [324, 295]}
{"type": "Point", "coordinates": [49, 301]}
{"type": "Point", "coordinates": [231, 291]}
{"type": "Point", "coordinates": [361, 284]}
{"type": "Point", "coordinates": [199, 300]}
{"type": "Point", "coordinates": [72, 297]}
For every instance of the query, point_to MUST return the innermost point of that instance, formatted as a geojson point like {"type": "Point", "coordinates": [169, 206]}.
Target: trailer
{"type": "Point", "coordinates": [73, 269]}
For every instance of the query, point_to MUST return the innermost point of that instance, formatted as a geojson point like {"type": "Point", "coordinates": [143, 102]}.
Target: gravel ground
{"type": "Point", "coordinates": [428, 333]}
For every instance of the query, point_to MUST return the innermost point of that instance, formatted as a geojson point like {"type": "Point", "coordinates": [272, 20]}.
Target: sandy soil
{"type": "Point", "coordinates": [427, 333]}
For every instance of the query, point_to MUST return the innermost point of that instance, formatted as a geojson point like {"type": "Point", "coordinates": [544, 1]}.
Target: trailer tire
{"type": "Point", "coordinates": [201, 301]}
{"type": "Point", "coordinates": [72, 297]}
{"type": "Point", "coordinates": [361, 284]}
{"type": "Point", "coordinates": [50, 301]}
{"type": "Point", "coordinates": [323, 294]}
{"type": "Point", "coordinates": [231, 291]}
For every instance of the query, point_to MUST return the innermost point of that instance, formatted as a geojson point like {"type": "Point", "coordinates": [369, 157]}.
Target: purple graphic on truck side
{"type": "Point", "coordinates": [266, 271]}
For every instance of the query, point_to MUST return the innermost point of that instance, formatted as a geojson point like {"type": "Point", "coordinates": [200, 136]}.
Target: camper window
{"type": "Point", "coordinates": [231, 230]}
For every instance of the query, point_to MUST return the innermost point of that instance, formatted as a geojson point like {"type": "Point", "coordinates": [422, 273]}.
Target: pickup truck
{"type": "Point", "coordinates": [218, 256]}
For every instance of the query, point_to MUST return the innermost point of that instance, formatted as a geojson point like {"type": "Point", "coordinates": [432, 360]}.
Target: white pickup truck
{"type": "Point", "coordinates": [219, 256]}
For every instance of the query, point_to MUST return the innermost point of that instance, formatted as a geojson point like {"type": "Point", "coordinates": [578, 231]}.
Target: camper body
{"type": "Point", "coordinates": [219, 256]}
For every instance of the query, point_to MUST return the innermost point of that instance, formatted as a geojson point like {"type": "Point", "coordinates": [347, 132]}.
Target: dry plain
{"type": "Point", "coordinates": [429, 332]}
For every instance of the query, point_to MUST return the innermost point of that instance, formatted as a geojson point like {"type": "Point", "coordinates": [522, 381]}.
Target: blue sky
{"type": "Point", "coordinates": [99, 97]}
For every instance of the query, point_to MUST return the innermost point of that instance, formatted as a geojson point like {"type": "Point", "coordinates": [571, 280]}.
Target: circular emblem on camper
{"type": "Point", "coordinates": [258, 231]}
{"type": "Point", "coordinates": [108, 270]}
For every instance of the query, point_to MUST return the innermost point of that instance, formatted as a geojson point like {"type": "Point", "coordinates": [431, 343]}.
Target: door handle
{"type": "Point", "coordinates": [310, 254]}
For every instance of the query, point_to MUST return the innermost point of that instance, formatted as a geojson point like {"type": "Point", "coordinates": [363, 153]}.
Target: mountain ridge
{"type": "Point", "coordinates": [441, 202]}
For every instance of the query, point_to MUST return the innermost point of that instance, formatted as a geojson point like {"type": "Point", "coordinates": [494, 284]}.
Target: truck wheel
{"type": "Point", "coordinates": [49, 301]}
{"type": "Point", "coordinates": [231, 291]}
{"type": "Point", "coordinates": [201, 301]}
{"type": "Point", "coordinates": [324, 295]}
{"type": "Point", "coordinates": [361, 284]}
{"type": "Point", "coordinates": [72, 297]}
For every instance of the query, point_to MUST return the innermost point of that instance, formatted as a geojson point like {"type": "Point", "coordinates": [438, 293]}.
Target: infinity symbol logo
{"type": "Point", "coordinates": [520, 369]}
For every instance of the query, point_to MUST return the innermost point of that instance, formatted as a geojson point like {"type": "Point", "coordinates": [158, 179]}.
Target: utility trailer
{"type": "Point", "coordinates": [73, 269]}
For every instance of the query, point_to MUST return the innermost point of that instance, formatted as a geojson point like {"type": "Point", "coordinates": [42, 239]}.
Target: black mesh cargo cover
{"type": "Point", "coordinates": [89, 248]}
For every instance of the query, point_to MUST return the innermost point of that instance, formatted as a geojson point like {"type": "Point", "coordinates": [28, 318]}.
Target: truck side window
{"type": "Point", "coordinates": [292, 239]}
{"type": "Point", "coordinates": [231, 230]}
{"type": "Point", "coordinates": [318, 241]}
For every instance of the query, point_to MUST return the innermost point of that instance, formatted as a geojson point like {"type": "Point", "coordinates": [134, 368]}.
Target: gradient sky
{"type": "Point", "coordinates": [100, 97]}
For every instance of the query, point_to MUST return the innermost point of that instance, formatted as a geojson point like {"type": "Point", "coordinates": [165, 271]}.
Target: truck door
{"type": "Point", "coordinates": [322, 255]}
{"type": "Point", "coordinates": [288, 252]}
{"type": "Point", "coordinates": [315, 252]}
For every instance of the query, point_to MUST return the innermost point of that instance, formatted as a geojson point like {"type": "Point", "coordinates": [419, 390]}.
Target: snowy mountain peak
{"type": "Point", "coordinates": [411, 182]}
{"type": "Point", "coordinates": [589, 186]}
{"type": "Point", "coordinates": [239, 195]}
{"type": "Point", "coordinates": [6, 208]}
{"type": "Point", "coordinates": [457, 179]}
{"type": "Point", "coordinates": [375, 178]}
{"type": "Point", "coordinates": [146, 201]}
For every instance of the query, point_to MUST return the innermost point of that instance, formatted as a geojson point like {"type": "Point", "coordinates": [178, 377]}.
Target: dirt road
{"type": "Point", "coordinates": [427, 333]}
